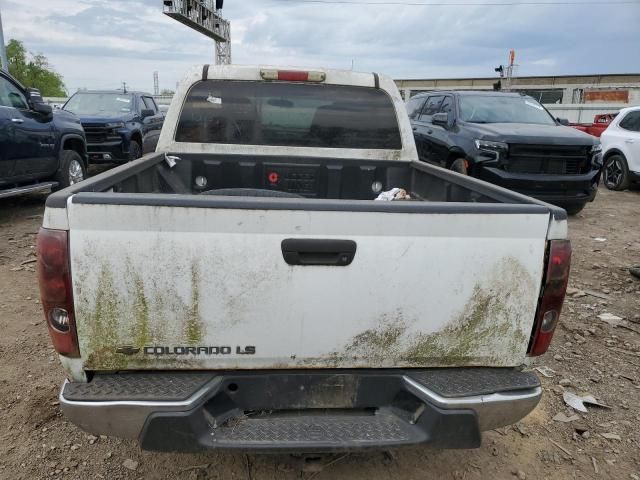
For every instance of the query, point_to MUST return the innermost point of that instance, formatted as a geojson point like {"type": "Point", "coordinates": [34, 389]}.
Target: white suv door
{"type": "Point", "coordinates": [632, 139]}
{"type": "Point", "coordinates": [622, 137]}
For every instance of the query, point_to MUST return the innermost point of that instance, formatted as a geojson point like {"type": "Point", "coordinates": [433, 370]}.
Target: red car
{"type": "Point", "coordinates": [599, 125]}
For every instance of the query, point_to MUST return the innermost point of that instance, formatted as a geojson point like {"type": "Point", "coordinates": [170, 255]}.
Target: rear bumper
{"type": "Point", "coordinates": [555, 189]}
{"type": "Point", "coordinates": [302, 411]}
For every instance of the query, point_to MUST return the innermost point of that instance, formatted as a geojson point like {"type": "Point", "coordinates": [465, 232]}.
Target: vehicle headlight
{"type": "Point", "coordinates": [493, 148]}
{"type": "Point", "coordinates": [115, 125]}
{"type": "Point", "coordinates": [596, 155]}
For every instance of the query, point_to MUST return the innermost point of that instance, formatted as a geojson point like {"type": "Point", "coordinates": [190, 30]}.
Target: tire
{"type": "Point", "coordinates": [574, 208]}
{"type": "Point", "coordinates": [135, 150]}
{"type": "Point", "coordinates": [460, 166]}
{"type": "Point", "coordinates": [72, 169]}
{"type": "Point", "coordinates": [615, 173]}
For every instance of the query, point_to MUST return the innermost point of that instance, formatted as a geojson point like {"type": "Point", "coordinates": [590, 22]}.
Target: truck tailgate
{"type": "Point", "coordinates": [164, 287]}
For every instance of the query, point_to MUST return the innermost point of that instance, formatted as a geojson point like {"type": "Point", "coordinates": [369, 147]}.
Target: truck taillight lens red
{"type": "Point", "coordinates": [54, 277]}
{"type": "Point", "coordinates": [553, 292]}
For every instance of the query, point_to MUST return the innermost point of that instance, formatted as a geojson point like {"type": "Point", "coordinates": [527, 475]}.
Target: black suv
{"type": "Point", "coordinates": [120, 126]}
{"type": "Point", "coordinates": [40, 149]}
{"type": "Point", "coordinates": [508, 139]}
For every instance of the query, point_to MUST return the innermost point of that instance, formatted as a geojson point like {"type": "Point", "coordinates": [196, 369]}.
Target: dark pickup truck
{"type": "Point", "coordinates": [40, 149]}
{"type": "Point", "coordinates": [120, 126]}
{"type": "Point", "coordinates": [508, 139]}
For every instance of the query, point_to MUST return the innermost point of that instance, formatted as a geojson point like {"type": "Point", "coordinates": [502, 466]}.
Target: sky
{"type": "Point", "coordinates": [101, 43]}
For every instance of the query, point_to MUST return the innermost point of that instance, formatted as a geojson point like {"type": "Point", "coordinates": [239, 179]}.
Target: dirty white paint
{"type": "Point", "coordinates": [558, 230]}
{"type": "Point", "coordinates": [413, 274]}
{"type": "Point", "coordinates": [55, 218]}
{"type": "Point", "coordinates": [74, 368]}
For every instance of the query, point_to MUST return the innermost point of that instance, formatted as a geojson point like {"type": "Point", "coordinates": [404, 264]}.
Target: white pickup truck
{"type": "Point", "coordinates": [242, 288]}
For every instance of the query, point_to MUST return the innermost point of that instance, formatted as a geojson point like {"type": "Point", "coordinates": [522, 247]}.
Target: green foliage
{"type": "Point", "coordinates": [34, 71]}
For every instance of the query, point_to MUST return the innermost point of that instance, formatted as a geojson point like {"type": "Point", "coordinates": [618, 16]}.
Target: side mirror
{"type": "Point", "coordinates": [441, 119]}
{"type": "Point", "coordinates": [147, 112]}
{"type": "Point", "coordinates": [37, 102]}
{"type": "Point", "coordinates": [42, 108]}
{"type": "Point", "coordinates": [563, 121]}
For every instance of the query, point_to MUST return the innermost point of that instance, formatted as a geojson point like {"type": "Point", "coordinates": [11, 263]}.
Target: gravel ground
{"type": "Point", "coordinates": [587, 355]}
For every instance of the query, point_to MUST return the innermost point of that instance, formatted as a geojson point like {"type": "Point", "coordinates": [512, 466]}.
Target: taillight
{"type": "Point", "coordinates": [553, 292]}
{"type": "Point", "coordinates": [54, 277]}
{"type": "Point", "coordinates": [293, 75]}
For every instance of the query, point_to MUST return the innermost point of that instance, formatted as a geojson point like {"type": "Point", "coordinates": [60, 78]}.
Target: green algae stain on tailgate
{"type": "Point", "coordinates": [194, 327]}
{"type": "Point", "coordinates": [120, 317]}
{"type": "Point", "coordinates": [488, 331]}
{"type": "Point", "coordinates": [103, 323]}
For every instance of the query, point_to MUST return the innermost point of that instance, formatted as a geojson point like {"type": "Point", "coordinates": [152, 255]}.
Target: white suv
{"type": "Point", "coordinates": [621, 150]}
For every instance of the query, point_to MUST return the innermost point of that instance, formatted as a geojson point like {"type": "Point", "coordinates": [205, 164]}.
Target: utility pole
{"type": "Point", "coordinates": [511, 64]}
{"type": "Point", "coordinates": [3, 49]}
{"type": "Point", "coordinates": [506, 73]}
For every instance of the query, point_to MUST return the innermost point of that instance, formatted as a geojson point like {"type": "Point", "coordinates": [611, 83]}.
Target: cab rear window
{"type": "Point", "coordinates": [289, 114]}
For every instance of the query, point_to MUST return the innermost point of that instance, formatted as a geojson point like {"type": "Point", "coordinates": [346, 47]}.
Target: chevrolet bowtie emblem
{"type": "Point", "coordinates": [127, 350]}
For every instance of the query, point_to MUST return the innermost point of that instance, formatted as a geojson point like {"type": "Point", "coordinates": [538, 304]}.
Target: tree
{"type": "Point", "coordinates": [167, 92]}
{"type": "Point", "coordinates": [34, 72]}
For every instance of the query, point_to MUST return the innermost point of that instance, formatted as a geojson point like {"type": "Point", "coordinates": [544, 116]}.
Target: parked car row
{"type": "Point", "coordinates": [504, 138]}
{"type": "Point", "coordinates": [42, 148]}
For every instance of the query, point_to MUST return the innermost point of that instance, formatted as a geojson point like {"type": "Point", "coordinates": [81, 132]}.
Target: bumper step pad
{"type": "Point", "coordinates": [363, 430]}
{"type": "Point", "coordinates": [465, 382]}
{"type": "Point", "coordinates": [157, 387]}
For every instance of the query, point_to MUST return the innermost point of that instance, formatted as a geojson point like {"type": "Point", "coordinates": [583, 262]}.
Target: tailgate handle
{"type": "Point", "coordinates": [315, 251]}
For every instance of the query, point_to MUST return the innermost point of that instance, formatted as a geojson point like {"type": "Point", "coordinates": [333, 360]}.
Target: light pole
{"type": "Point", "coordinates": [3, 50]}
{"type": "Point", "coordinates": [204, 16]}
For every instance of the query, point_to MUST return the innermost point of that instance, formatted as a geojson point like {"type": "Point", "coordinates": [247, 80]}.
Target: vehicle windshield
{"type": "Point", "coordinates": [100, 104]}
{"type": "Point", "coordinates": [289, 114]}
{"type": "Point", "coordinates": [503, 109]}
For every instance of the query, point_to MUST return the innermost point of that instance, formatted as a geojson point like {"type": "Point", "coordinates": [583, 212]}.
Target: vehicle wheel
{"type": "Point", "coordinates": [72, 169]}
{"type": "Point", "coordinates": [460, 166]}
{"type": "Point", "coordinates": [135, 150]}
{"type": "Point", "coordinates": [616, 173]}
{"type": "Point", "coordinates": [574, 208]}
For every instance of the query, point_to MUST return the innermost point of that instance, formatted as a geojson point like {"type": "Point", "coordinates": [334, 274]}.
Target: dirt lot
{"type": "Point", "coordinates": [587, 355]}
